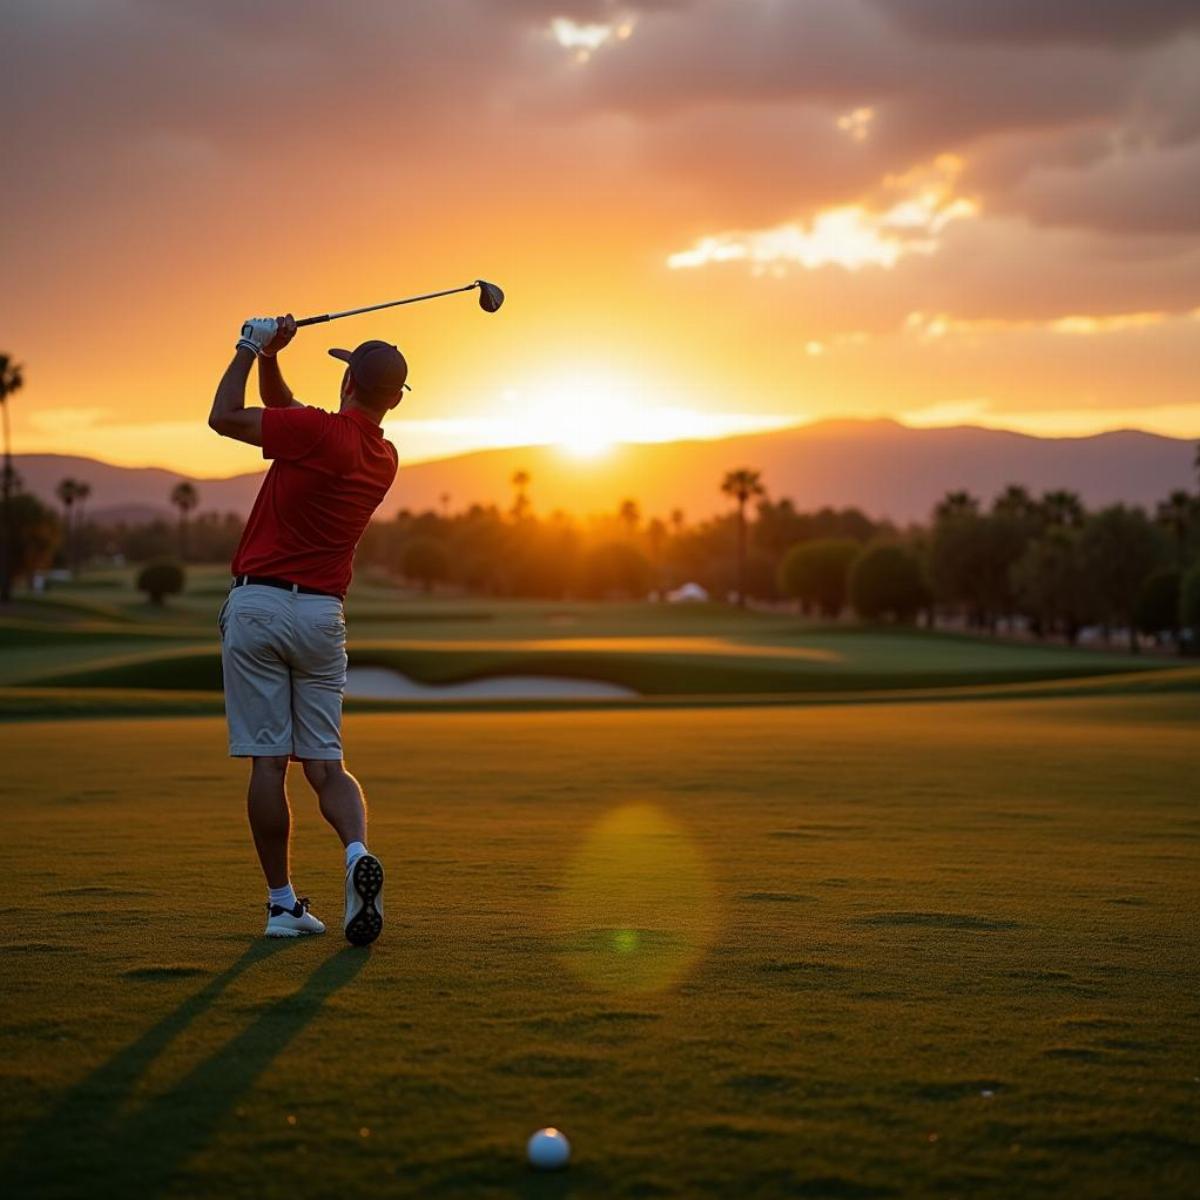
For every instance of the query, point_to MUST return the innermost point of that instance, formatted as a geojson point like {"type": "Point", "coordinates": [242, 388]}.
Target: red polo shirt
{"type": "Point", "coordinates": [330, 473]}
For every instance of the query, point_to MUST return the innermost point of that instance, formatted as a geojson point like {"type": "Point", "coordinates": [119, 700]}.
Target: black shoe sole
{"type": "Point", "coordinates": [367, 879]}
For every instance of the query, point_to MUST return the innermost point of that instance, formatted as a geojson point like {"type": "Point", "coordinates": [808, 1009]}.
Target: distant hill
{"type": "Point", "coordinates": [132, 494]}
{"type": "Point", "coordinates": [883, 467]}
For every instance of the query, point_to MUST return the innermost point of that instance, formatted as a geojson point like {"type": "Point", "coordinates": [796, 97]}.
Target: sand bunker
{"type": "Point", "coordinates": [382, 683]}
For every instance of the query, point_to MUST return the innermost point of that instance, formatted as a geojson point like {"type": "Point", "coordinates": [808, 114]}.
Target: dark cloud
{"type": "Point", "coordinates": [766, 82]}
{"type": "Point", "coordinates": [1152, 191]}
{"type": "Point", "coordinates": [714, 114]}
{"type": "Point", "coordinates": [1111, 22]}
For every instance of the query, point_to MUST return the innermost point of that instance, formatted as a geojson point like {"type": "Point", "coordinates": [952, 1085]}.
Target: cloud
{"type": "Point", "coordinates": [67, 420]}
{"type": "Point", "coordinates": [933, 326]}
{"type": "Point", "coordinates": [739, 98]}
{"type": "Point", "coordinates": [1113, 22]}
{"type": "Point", "coordinates": [194, 158]}
{"type": "Point", "coordinates": [856, 124]}
{"type": "Point", "coordinates": [1146, 189]}
{"type": "Point", "coordinates": [850, 236]}
{"type": "Point", "coordinates": [720, 70]}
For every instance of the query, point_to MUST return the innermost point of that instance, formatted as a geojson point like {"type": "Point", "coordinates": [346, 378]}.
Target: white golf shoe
{"type": "Point", "coordinates": [292, 922]}
{"type": "Point", "coordinates": [364, 900]}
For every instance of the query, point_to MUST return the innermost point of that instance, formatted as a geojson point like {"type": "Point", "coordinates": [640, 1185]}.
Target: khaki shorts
{"type": "Point", "coordinates": [284, 659]}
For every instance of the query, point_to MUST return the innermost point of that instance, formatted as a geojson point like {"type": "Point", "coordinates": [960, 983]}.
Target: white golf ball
{"type": "Point", "coordinates": [549, 1149]}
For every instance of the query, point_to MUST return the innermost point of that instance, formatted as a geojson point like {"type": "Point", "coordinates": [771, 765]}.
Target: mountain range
{"type": "Point", "coordinates": [882, 467]}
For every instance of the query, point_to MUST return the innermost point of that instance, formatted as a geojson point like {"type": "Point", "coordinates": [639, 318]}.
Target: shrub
{"type": "Point", "coordinates": [426, 561]}
{"type": "Point", "coordinates": [160, 580]}
{"type": "Point", "coordinates": [816, 573]}
{"type": "Point", "coordinates": [1189, 606]}
{"type": "Point", "coordinates": [1156, 610]}
{"type": "Point", "coordinates": [616, 569]}
{"type": "Point", "coordinates": [886, 583]}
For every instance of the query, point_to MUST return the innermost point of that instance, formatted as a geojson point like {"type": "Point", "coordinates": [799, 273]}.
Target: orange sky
{"type": "Point", "coordinates": [710, 216]}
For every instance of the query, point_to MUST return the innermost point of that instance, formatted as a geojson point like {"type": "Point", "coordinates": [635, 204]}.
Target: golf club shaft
{"type": "Point", "coordinates": [353, 312]}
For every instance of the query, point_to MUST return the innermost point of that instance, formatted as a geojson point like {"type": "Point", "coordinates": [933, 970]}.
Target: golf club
{"type": "Point", "coordinates": [490, 299]}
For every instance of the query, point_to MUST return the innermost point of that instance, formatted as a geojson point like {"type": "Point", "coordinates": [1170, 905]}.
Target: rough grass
{"type": "Point", "coordinates": [839, 952]}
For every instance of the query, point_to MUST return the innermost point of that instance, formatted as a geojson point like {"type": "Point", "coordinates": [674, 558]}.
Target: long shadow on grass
{"type": "Point", "coordinates": [87, 1146]}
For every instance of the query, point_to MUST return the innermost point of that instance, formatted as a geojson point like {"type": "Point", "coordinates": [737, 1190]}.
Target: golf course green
{"type": "Point", "coordinates": [820, 911]}
{"type": "Point", "coordinates": [837, 951]}
{"type": "Point", "coordinates": [99, 649]}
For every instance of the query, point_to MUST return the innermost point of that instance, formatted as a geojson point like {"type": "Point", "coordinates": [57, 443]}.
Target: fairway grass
{"type": "Point", "coordinates": [102, 637]}
{"type": "Point", "coordinates": [927, 949]}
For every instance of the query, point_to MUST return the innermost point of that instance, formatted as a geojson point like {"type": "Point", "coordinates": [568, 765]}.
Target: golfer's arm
{"type": "Point", "coordinates": [272, 389]}
{"type": "Point", "coordinates": [229, 415]}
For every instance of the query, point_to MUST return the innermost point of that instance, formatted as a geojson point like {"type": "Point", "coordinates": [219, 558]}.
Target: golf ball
{"type": "Point", "coordinates": [549, 1149]}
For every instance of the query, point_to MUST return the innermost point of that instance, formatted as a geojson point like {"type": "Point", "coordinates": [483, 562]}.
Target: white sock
{"type": "Point", "coordinates": [285, 897]}
{"type": "Point", "coordinates": [353, 851]}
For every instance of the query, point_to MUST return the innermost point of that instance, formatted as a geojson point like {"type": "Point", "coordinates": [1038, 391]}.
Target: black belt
{"type": "Point", "coordinates": [283, 584]}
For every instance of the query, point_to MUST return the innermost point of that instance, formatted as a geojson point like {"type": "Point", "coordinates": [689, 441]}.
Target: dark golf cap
{"type": "Point", "coordinates": [377, 367]}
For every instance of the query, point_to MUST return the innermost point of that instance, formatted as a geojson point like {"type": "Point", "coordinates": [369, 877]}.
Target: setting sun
{"type": "Point", "coordinates": [586, 444]}
{"type": "Point", "coordinates": [585, 411]}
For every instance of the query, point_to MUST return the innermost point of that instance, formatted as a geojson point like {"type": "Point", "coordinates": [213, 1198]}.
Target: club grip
{"type": "Point", "coordinates": [312, 320]}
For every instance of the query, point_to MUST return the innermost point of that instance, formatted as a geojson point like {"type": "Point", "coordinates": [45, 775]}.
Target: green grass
{"type": "Point", "coordinates": [647, 673]}
{"type": "Point", "coordinates": [928, 949]}
{"type": "Point", "coordinates": [655, 650]}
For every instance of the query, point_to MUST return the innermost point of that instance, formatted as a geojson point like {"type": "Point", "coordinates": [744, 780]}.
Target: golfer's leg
{"type": "Point", "coordinates": [318, 681]}
{"type": "Point", "coordinates": [270, 817]}
{"type": "Point", "coordinates": [258, 682]}
{"type": "Point", "coordinates": [342, 805]}
{"type": "Point", "coordinates": [340, 797]}
{"type": "Point", "coordinates": [258, 706]}
{"type": "Point", "coordinates": [318, 666]}
{"type": "Point", "coordinates": [259, 711]}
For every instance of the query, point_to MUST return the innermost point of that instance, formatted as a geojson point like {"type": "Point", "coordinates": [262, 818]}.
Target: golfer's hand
{"type": "Point", "coordinates": [257, 333]}
{"type": "Point", "coordinates": [285, 330]}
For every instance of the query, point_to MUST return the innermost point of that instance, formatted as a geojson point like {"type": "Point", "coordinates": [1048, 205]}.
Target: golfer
{"type": "Point", "coordinates": [283, 631]}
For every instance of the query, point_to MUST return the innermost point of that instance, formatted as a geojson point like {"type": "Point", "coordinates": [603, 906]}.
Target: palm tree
{"type": "Point", "coordinates": [1176, 514]}
{"type": "Point", "coordinates": [444, 500]}
{"type": "Point", "coordinates": [82, 492]}
{"type": "Point", "coordinates": [656, 535]}
{"type": "Point", "coordinates": [185, 498]}
{"type": "Point", "coordinates": [520, 482]}
{"type": "Point", "coordinates": [678, 520]}
{"type": "Point", "coordinates": [68, 492]}
{"type": "Point", "coordinates": [1062, 509]}
{"type": "Point", "coordinates": [742, 485]}
{"type": "Point", "coordinates": [1015, 501]}
{"type": "Point", "coordinates": [630, 515]}
{"type": "Point", "coordinates": [956, 504]}
{"type": "Point", "coordinates": [11, 380]}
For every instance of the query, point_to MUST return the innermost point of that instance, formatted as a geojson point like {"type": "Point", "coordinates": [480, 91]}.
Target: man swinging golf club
{"type": "Point", "coordinates": [283, 632]}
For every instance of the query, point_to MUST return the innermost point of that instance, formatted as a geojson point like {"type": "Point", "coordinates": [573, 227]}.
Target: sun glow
{"type": "Point", "coordinates": [587, 444]}
{"type": "Point", "coordinates": [585, 412]}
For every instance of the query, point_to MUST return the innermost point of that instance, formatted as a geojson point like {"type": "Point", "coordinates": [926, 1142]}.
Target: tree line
{"type": "Point", "coordinates": [1043, 564]}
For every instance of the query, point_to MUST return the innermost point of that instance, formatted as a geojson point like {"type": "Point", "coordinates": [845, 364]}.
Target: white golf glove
{"type": "Point", "coordinates": [257, 333]}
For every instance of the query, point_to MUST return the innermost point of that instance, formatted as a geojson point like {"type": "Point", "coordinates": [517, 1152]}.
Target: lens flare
{"type": "Point", "coordinates": [636, 911]}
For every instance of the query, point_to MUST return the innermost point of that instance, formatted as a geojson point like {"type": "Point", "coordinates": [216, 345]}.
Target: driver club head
{"type": "Point", "coordinates": [490, 296]}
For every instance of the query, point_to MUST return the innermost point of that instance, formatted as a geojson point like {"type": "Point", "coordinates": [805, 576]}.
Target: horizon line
{"type": "Point", "coordinates": [880, 419]}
